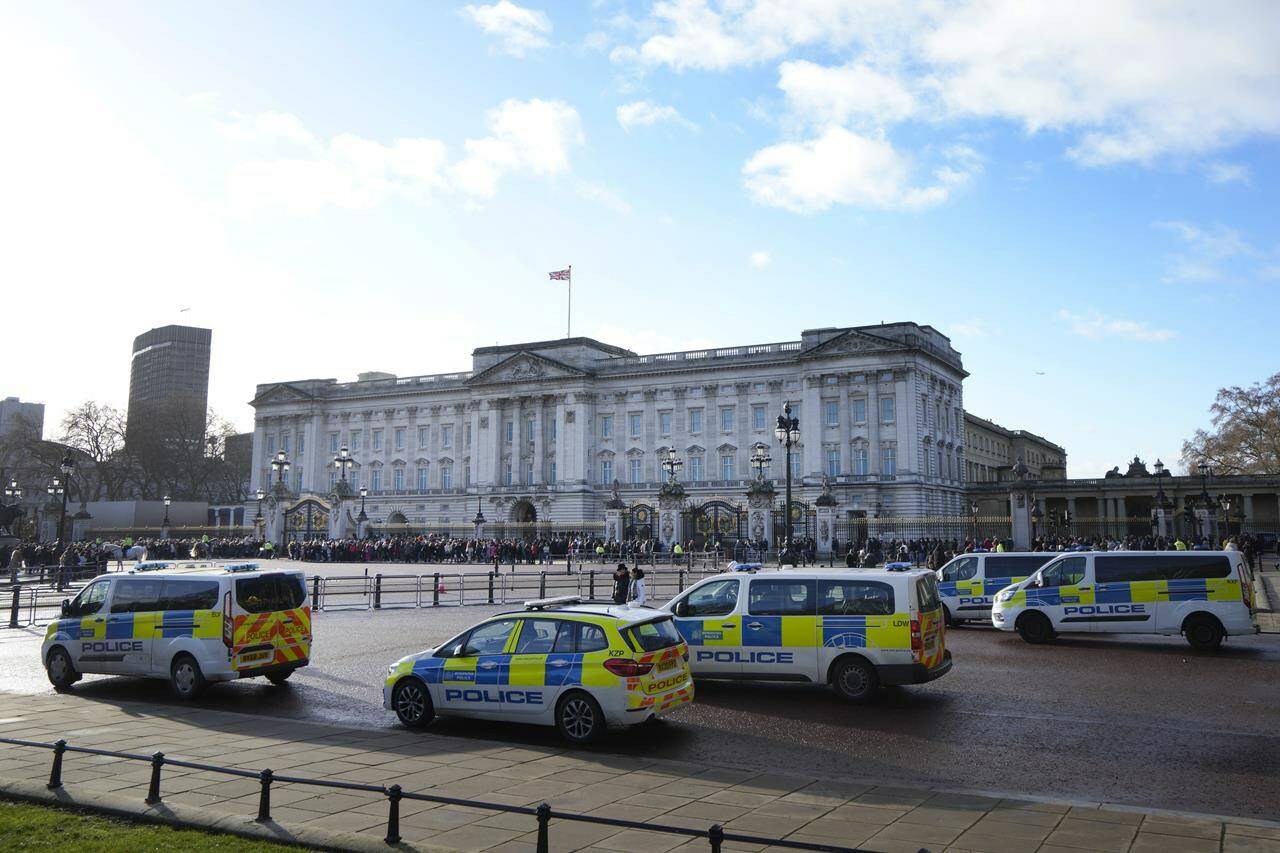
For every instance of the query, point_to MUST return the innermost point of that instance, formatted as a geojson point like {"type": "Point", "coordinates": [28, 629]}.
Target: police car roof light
{"type": "Point", "coordinates": [242, 567]}
{"type": "Point", "coordinates": [549, 603]}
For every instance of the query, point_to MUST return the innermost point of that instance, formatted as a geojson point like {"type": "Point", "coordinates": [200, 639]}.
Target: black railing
{"type": "Point", "coordinates": [715, 835]}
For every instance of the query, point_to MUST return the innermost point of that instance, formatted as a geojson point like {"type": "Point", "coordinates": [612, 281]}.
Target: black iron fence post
{"type": "Point", "coordinates": [435, 590]}
{"type": "Point", "coordinates": [377, 591]}
{"type": "Point", "coordinates": [153, 790]}
{"type": "Point", "coordinates": [264, 796]}
{"type": "Point", "coordinates": [542, 585]}
{"type": "Point", "coordinates": [591, 591]}
{"type": "Point", "coordinates": [716, 836]}
{"type": "Point", "coordinates": [544, 818]}
{"type": "Point", "coordinates": [393, 815]}
{"type": "Point", "coordinates": [681, 580]}
{"type": "Point", "coordinates": [13, 608]}
{"type": "Point", "coordinates": [491, 587]}
{"type": "Point", "coordinates": [55, 773]}
{"type": "Point", "coordinates": [315, 592]}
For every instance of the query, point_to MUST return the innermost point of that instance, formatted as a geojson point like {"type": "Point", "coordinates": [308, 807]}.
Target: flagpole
{"type": "Point", "coordinates": [568, 323]}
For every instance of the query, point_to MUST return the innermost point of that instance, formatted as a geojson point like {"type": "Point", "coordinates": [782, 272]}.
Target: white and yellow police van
{"type": "Point", "coordinates": [969, 582]}
{"type": "Point", "coordinates": [852, 629]}
{"type": "Point", "coordinates": [192, 624]}
{"type": "Point", "coordinates": [579, 666]}
{"type": "Point", "coordinates": [1203, 595]}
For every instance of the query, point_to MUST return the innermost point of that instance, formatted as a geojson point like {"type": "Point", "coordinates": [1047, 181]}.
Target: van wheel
{"type": "Point", "coordinates": [278, 678]}
{"type": "Point", "coordinates": [855, 680]}
{"type": "Point", "coordinates": [185, 678]}
{"type": "Point", "coordinates": [1203, 633]}
{"type": "Point", "coordinates": [1034, 627]}
{"type": "Point", "coordinates": [579, 718]}
{"type": "Point", "coordinates": [62, 673]}
{"type": "Point", "coordinates": [412, 703]}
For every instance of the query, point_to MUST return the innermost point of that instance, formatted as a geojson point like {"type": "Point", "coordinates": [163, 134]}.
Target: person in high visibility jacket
{"type": "Point", "coordinates": [1179, 545]}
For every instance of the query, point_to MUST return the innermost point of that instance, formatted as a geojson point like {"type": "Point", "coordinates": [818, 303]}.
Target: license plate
{"type": "Point", "coordinates": [666, 666]}
{"type": "Point", "coordinates": [254, 656]}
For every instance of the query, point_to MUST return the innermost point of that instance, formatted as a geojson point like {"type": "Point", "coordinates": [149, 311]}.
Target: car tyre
{"type": "Point", "coordinates": [1034, 627]}
{"type": "Point", "coordinates": [185, 678]}
{"type": "Point", "coordinates": [61, 671]}
{"type": "Point", "coordinates": [411, 701]}
{"type": "Point", "coordinates": [280, 677]}
{"type": "Point", "coordinates": [1203, 633]}
{"type": "Point", "coordinates": [579, 718]}
{"type": "Point", "coordinates": [855, 680]}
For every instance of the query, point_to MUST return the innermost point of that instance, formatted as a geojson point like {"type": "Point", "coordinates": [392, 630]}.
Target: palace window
{"type": "Point", "coordinates": [423, 483]}
{"type": "Point", "coordinates": [726, 419]}
{"type": "Point", "coordinates": [633, 473]}
{"type": "Point", "coordinates": [887, 410]}
{"type": "Point", "coordinates": [859, 410]}
{"type": "Point", "coordinates": [466, 436]}
{"type": "Point", "coordinates": [284, 441]}
{"type": "Point", "coordinates": [333, 478]}
{"type": "Point", "coordinates": [695, 421]}
{"type": "Point", "coordinates": [509, 431]}
{"type": "Point", "coordinates": [399, 438]}
{"type": "Point", "coordinates": [634, 423]}
{"type": "Point", "coordinates": [529, 426]}
{"type": "Point", "coordinates": [375, 480]}
{"type": "Point", "coordinates": [726, 466]}
{"type": "Point", "coordinates": [333, 442]}
{"type": "Point", "coordinates": [664, 423]}
{"type": "Point", "coordinates": [831, 413]}
{"type": "Point", "coordinates": [833, 463]}
{"type": "Point", "coordinates": [861, 462]}
{"type": "Point", "coordinates": [606, 471]}
{"type": "Point", "coordinates": [551, 472]}
{"type": "Point", "coordinates": [795, 465]}
{"type": "Point", "coordinates": [551, 425]}
{"type": "Point", "coordinates": [446, 435]}
{"type": "Point", "coordinates": [528, 473]}
{"type": "Point", "coordinates": [357, 439]}
{"type": "Point", "coordinates": [446, 476]}
{"type": "Point", "coordinates": [397, 479]}
{"type": "Point", "coordinates": [889, 462]}
{"type": "Point", "coordinates": [695, 468]}
{"type": "Point", "coordinates": [377, 439]}
{"type": "Point", "coordinates": [506, 474]}
{"type": "Point", "coordinates": [424, 436]}
{"type": "Point", "coordinates": [606, 426]}
{"type": "Point", "coordinates": [758, 417]}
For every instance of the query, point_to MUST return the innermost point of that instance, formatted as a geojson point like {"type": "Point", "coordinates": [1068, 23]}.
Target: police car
{"type": "Point", "coordinates": [580, 666]}
{"type": "Point", "coordinates": [1204, 595]}
{"type": "Point", "coordinates": [853, 629]}
{"type": "Point", "coordinates": [969, 582]}
{"type": "Point", "coordinates": [190, 624]}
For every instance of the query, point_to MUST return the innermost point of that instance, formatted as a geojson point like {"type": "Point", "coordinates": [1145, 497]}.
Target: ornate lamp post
{"type": "Point", "coordinates": [787, 432]}
{"type": "Point", "coordinates": [280, 464]}
{"type": "Point", "coordinates": [1036, 517]}
{"type": "Point", "coordinates": [58, 488]}
{"type": "Point", "coordinates": [343, 463]}
{"type": "Point", "coordinates": [760, 460]}
{"type": "Point", "coordinates": [362, 518]}
{"type": "Point", "coordinates": [672, 464]}
{"type": "Point", "coordinates": [973, 514]}
{"type": "Point", "coordinates": [167, 502]}
{"type": "Point", "coordinates": [258, 519]}
{"type": "Point", "coordinates": [57, 492]}
{"type": "Point", "coordinates": [13, 493]}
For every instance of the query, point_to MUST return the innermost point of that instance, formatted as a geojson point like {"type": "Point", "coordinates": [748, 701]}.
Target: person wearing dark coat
{"type": "Point", "coordinates": [621, 584]}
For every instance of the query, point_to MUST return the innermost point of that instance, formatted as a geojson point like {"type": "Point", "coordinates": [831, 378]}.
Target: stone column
{"type": "Point", "coordinates": [1247, 503]}
{"type": "Point", "coordinates": [613, 524]}
{"type": "Point", "coordinates": [1020, 504]}
{"type": "Point", "coordinates": [811, 426]}
{"type": "Point", "coordinates": [826, 518]}
{"type": "Point", "coordinates": [670, 531]}
{"type": "Point", "coordinates": [760, 501]}
{"type": "Point", "coordinates": [873, 422]}
{"type": "Point", "coordinates": [539, 425]}
{"type": "Point", "coordinates": [518, 446]}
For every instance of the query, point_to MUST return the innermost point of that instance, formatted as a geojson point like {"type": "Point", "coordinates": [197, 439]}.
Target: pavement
{"type": "Point", "coordinates": [797, 806]}
{"type": "Point", "coordinates": [1267, 590]}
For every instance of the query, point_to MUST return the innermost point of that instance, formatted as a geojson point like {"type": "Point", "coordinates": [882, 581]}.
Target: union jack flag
{"type": "Point", "coordinates": [560, 275]}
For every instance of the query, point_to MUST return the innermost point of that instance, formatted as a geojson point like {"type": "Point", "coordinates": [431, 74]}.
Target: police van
{"type": "Point", "coordinates": [969, 582]}
{"type": "Point", "coordinates": [192, 625]}
{"type": "Point", "coordinates": [1203, 595]}
{"type": "Point", "coordinates": [580, 666]}
{"type": "Point", "coordinates": [853, 629]}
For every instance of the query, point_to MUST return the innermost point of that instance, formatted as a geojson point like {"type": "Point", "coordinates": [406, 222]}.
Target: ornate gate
{"type": "Point", "coordinates": [715, 522]}
{"type": "Point", "coordinates": [803, 522]}
{"type": "Point", "coordinates": [306, 519]}
{"type": "Point", "coordinates": [638, 521]}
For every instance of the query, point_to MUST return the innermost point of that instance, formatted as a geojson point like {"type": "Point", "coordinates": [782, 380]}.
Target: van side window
{"type": "Point", "coordinates": [781, 598]}
{"type": "Point", "coordinates": [190, 595]}
{"type": "Point", "coordinates": [90, 601]}
{"type": "Point", "coordinates": [1068, 571]}
{"type": "Point", "coordinates": [713, 599]}
{"type": "Point", "coordinates": [136, 596]}
{"type": "Point", "coordinates": [960, 569]}
{"type": "Point", "coordinates": [271, 593]}
{"type": "Point", "coordinates": [855, 598]}
{"type": "Point", "coordinates": [1154, 568]}
{"type": "Point", "coordinates": [1015, 566]}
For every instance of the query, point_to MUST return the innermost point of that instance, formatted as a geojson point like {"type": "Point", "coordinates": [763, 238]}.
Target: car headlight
{"type": "Point", "coordinates": [1007, 595]}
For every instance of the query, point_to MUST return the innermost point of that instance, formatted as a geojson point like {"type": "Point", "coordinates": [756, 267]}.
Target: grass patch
{"type": "Point", "coordinates": [25, 826]}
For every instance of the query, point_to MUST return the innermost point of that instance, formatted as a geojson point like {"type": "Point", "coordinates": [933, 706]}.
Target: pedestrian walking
{"type": "Point", "coordinates": [639, 594]}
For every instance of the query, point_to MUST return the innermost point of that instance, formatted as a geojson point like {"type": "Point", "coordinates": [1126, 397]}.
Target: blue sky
{"type": "Point", "coordinates": [1085, 193]}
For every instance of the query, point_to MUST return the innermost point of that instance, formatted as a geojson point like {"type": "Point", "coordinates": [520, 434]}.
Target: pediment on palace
{"type": "Point", "coordinates": [852, 342]}
{"type": "Point", "coordinates": [281, 393]}
{"type": "Point", "coordinates": [525, 367]}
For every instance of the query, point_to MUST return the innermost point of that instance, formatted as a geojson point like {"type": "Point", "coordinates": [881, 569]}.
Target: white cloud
{"type": "Point", "coordinates": [1123, 80]}
{"type": "Point", "coordinates": [759, 259]}
{"type": "Point", "coordinates": [1227, 173]}
{"type": "Point", "coordinates": [647, 114]}
{"type": "Point", "coordinates": [1206, 253]}
{"type": "Point", "coordinates": [646, 341]}
{"type": "Point", "coordinates": [843, 167]}
{"type": "Point", "coordinates": [525, 137]}
{"type": "Point", "coordinates": [603, 196]}
{"type": "Point", "coordinates": [1098, 326]}
{"type": "Point", "coordinates": [971, 329]}
{"type": "Point", "coordinates": [533, 136]}
{"type": "Point", "coordinates": [519, 31]}
{"type": "Point", "coordinates": [844, 94]}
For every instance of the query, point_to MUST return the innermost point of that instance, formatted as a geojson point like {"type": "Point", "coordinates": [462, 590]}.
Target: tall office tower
{"type": "Point", "coordinates": [169, 382]}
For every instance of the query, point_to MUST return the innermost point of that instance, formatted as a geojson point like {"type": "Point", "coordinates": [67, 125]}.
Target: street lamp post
{"type": "Point", "coordinates": [258, 519]}
{"type": "Point", "coordinates": [14, 493]}
{"type": "Point", "coordinates": [672, 464]}
{"type": "Point", "coordinates": [343, 462]}
{"type": "Point", "coordinates": [164, 525]}
{"type": "Point", "coordinates": [58, 488]}
{"type": "Point", "coordinates": [280, 464]}
{"type": "Point", "coordinates": [362, 518]}
{"type": "Point", "coordinates": [787, 432]}
{"type": "Point", "coordinates": [973, 513]}
{"type": "Point", "coordinates": [1036, 517]}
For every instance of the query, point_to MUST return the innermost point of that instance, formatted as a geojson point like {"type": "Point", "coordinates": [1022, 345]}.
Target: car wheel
{"type": "Point", "coordinates": [579, 718]}
{"type": "Point", "coordinates": [62, 673]}
{"type": "Point", "coordinates": [855, 679]}
{"type": "Point", "coordinates": [185, 678]}
{"type": "Point", "coordinates": [1203, 633]}
{"type": "Point", "coordinates": [412, 703]}
{"type": "Point", "coordinates": [1034, 627]}
{"type": "Point", "coordinates": [280, 677]}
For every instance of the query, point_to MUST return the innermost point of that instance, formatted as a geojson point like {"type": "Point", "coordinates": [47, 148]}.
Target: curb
{"type": "Point", "coordinates": [191, 817]}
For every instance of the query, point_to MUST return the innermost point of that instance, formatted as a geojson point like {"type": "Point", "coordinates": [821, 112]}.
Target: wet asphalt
{"type": "Point", "coordinates": [1144, 721]}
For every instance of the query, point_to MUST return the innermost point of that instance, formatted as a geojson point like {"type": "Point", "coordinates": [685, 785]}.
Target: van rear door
{"type": "Point", "coordinates": [928, 631]}
{"type": "Point", "coordinates": [271, 622]}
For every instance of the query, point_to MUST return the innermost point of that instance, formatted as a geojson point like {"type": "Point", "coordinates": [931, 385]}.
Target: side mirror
{"type": "Point", "coordinates": [66, 607]}
{"type": "Point", "coordinates": [1038, 581]}
{"type": "Point", "coordinates": [682, 608]}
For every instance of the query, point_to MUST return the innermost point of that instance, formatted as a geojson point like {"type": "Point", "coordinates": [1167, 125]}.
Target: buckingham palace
{"type": "Point", "coordinates": [541, 432]}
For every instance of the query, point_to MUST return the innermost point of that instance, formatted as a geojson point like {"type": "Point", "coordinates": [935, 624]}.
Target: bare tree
{"type": "Point", "coordinates": [1245, 437]}
{"type": "Point", "coordinates": [97, 432]}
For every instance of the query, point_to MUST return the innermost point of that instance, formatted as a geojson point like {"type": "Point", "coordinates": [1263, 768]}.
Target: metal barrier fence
{"type": "Point", "coordinates": [715, 835]}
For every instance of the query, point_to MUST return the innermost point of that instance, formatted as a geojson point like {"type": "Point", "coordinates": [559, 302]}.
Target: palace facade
{"type": "Point", "coordinates": [539, 432]}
